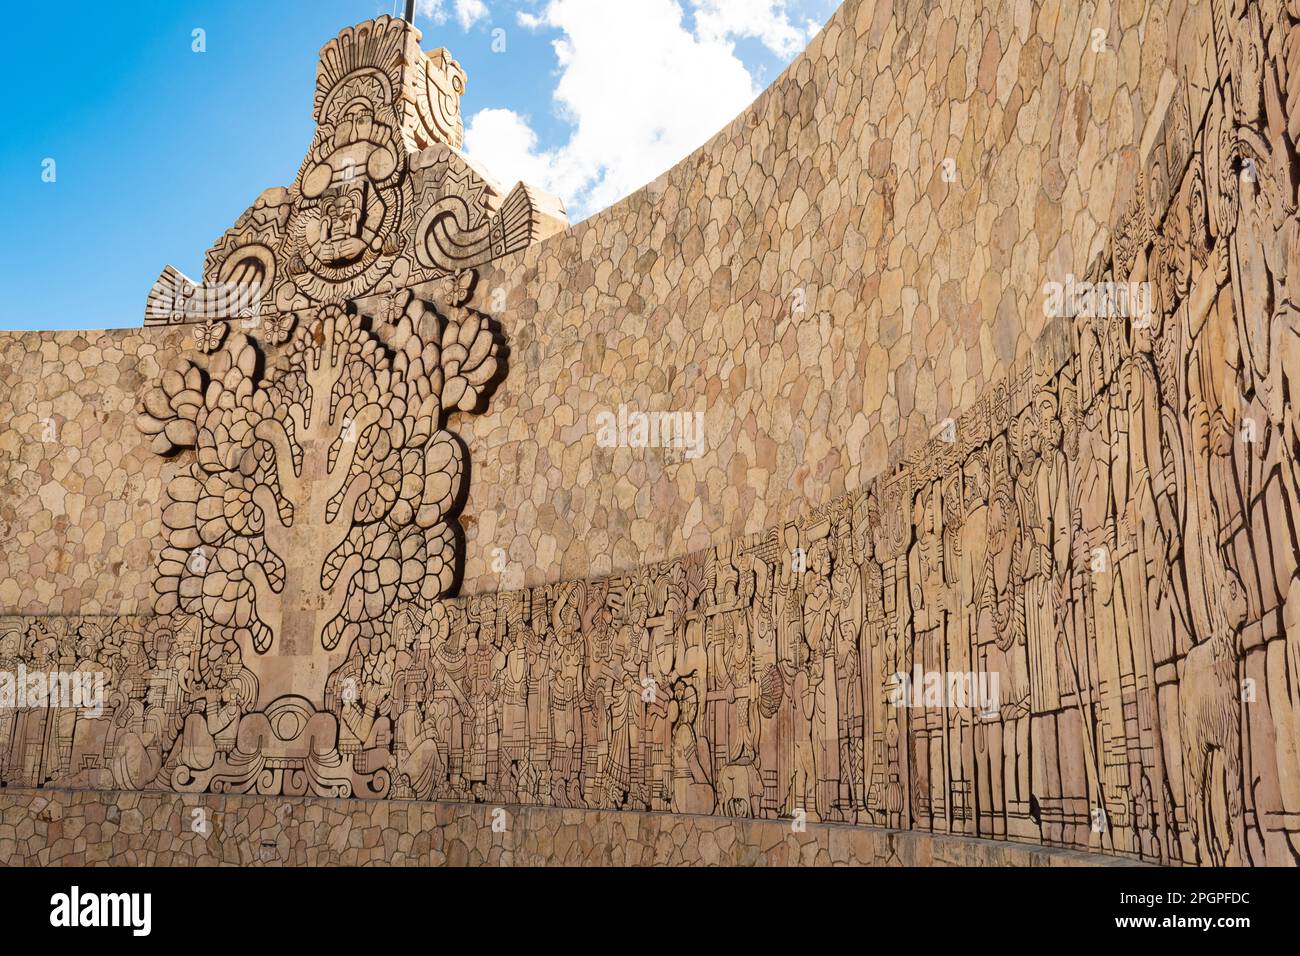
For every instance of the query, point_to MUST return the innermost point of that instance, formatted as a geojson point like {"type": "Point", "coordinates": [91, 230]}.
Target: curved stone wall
{"type": "Point", "coordinates": [115, 828]}
{"type": "Point", "coordinates": [943, 562]}
{"type": "Point", "coordinates": [807, 279]}
{"type": "Point", "coordinates": [811, 281]}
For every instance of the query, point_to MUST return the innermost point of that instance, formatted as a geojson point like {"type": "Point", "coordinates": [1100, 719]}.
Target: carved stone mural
{"type": "Point", "coordinates": [1072, 618]}
{"type": "Point", "coordinates": [384, 200]}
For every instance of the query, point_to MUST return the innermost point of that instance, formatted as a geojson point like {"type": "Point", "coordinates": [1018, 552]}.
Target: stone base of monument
{"type": "Point", "coordinates": [156, 828]}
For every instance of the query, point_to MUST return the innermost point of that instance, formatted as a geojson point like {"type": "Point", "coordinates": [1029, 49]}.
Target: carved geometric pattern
{"type": "Point", "coordinates": [383, 201]}
{"type": "Point", "coordinates": [336, 450]}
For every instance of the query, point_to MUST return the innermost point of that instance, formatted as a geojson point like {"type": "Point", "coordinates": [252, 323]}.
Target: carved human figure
{"type": "Point", "coordinates": [973, 579]}
{"type": "Point", "coordinates": [11, 641]}
{"type": "Point", "coordinates": [872, 651]}
{"type": "Point", "coordinates": [846, 627]}
{"type": "Point", "coordinates": [691, 790]}
{"type": "Point", "coordinates": [210, 727]}
{"type": "Point", "coordinates": [1097, 558]}
{"type": "Point", "coordinates": [1047, 524]}
{"type": "Point", "coordinates": [814, 660]}
{"type": "Point", "coordinates": [568, 686]}
{"type": "Point", "coordinates": [418, 748]}
{"type": "Point", "coordinates": [510, 668]}
{"type": "Point", "coordinates": [1003, 649]}
{"type": "Point", "coordinates": [927, 576]}
{"type": "Point", "coordinates": [91, 729]}
{"type": "Point", "coordinates": [624, 695]}
{"type": "Point", "coordinates": [958, 648]}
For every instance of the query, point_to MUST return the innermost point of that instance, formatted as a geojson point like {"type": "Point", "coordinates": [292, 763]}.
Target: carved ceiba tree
{"type": "Point", "coordinates": [323, 491]}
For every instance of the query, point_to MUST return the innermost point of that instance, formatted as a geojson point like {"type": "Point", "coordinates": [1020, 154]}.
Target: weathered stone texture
{"type": "Point", "coordinates": [908, 470]}
{"type": "Point", "coordinates": [111, 828]}
{"type": "Point", "coordinates": [79, 489]}
{"type": "Point", "coordinates": [828, 192]}
{"type": "Point", "coordinates": [917, 293]}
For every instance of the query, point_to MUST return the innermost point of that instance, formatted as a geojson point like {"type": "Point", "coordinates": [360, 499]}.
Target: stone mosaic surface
{"type": "Point", "coordinates": [811, 281]}
{"type": "Point", "coordinates": [814, 362]}
{"type": "Point", "coordinates": [79, 487]}
{"type": "Point", "coordinates": [68, 828]}
{"type": "Point", "coordinates": [994, 356]}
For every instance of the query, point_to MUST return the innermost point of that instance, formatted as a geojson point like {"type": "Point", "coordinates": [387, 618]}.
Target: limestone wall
{"type": "Point", "coordinates": [79, 487]}
{"type": "Point", "coordinates": [910, 473]}
{"type": "Point", "coordinates": [829, 191]}
{"type": "Point", "coordinates": [827, 195]}
{"type": "Point", "coordinates": [103, 828]}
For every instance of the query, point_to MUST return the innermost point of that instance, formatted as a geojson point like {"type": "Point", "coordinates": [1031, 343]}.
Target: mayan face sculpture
{"type": "Point", "coordinates": [384, 200]}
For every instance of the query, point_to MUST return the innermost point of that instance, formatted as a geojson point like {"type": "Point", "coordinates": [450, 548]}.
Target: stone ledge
{"type": "Point", "coordinates": [155, 828]}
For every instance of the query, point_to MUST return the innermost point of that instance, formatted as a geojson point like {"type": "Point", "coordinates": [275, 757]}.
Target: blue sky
{"type": "Point", "coordinates": [157, 148]}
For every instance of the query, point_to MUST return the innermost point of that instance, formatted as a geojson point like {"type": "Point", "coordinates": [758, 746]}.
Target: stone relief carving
{"type": "Point", "coordinates": [337, 450]}
{"type": "Point", "coordinates": [1110, 533]}
{"type": "Point", "coordinates": [319, 499]}
{"type": "Point", "coordinates": [384, 200]}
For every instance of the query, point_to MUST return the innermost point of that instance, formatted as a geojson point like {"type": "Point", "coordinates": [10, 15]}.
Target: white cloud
{"type": "Point", "coordinates": [640, 89]}
{"type": "Point", "coordinates": [504, 143]}
{"type": "Point", "coordinates": [766, 20]}
{"type": "Point", "coordinates": [468, 12]}
{"type": "Point", "coordinates": [431, 9]}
